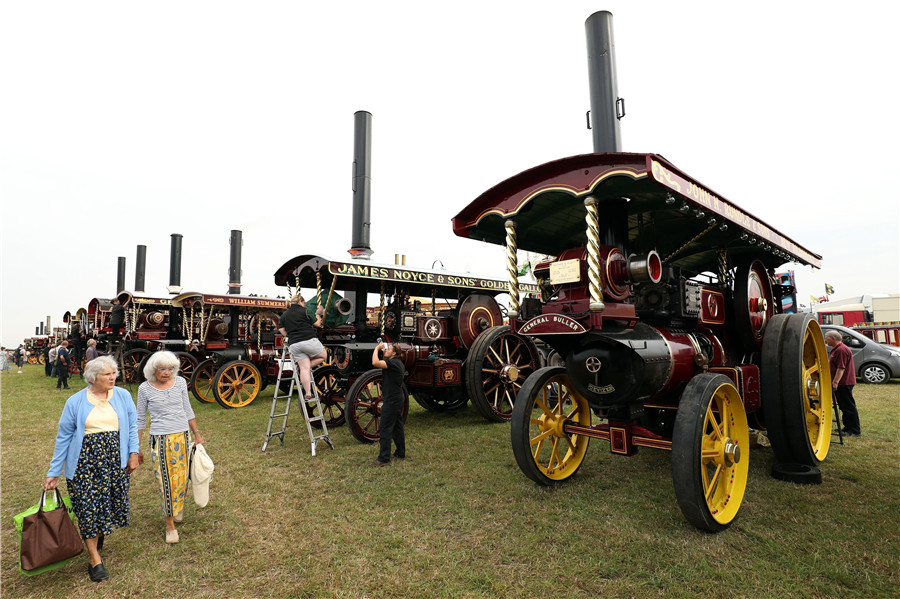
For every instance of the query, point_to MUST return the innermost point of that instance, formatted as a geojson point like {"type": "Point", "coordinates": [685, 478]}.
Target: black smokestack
{"type": "Point", "coordinates": [362, 179]}
{"type": "Point", "coordinates": [36, 329]}
{"type": "Point", "coordinates": [42, 329]}
{"type": "Point", "coordinates": [234, 267]}
{"type": "Point", "coordinates": [605, 99]}
{"type": "Point", "coordinates": [120, 276]}
{"type": "Point", "coordinates": [140, 268]}
{"type": "Point", "coordinates": [175, 265]}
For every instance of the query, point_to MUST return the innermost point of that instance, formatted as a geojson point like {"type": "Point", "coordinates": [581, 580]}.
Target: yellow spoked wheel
{"type": "Point", "coordinates": [202, 381]}
{"type": "Point", "coordinates": [807, 392]}
{"type": "Point", "coordinates": [544, 451]}
{"type": "Point", "coordinates": [131, 361]}
{"type": "Point", "coordinates": [710, 452]}
{"type": "Point", "coordinates": [237, 384]}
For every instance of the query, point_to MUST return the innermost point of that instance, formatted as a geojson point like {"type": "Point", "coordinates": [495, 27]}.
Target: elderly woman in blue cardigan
{"type": "Point", "coordinates": [97, 449]}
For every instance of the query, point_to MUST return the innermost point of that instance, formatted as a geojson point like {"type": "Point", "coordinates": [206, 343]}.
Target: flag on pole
{"type": "Point", "coordinates": [829, 290]}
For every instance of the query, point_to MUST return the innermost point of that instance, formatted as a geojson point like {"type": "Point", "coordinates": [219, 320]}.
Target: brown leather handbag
{"type": "Point", "coordinates": [49, 536]}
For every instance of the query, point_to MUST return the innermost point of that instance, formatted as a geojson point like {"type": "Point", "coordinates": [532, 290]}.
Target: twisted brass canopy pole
{"type": "Point", "coordinates": [512, 269]}
{"type": "Point", "coordinates": [593, 251]}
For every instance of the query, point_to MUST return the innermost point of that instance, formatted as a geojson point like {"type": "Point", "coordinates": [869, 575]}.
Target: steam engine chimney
{"type": "Point", "coordinates": [120, 276]}
{"type": "Point", "coordinates": [605, 101]}
{"type": "Point", "coordinates": [175, 265]}
{"type": "Point", "coordinates": [42, 329]}
{"type": "Point", "coordinates": [140, 268]}
{"type": "Point", "coordinates": [234, 268]}
{"type": "Point", "coordinates": [362, 165]}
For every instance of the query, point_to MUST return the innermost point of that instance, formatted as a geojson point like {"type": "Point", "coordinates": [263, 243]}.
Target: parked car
{"type": "Point", "coordinates": [875, 362]}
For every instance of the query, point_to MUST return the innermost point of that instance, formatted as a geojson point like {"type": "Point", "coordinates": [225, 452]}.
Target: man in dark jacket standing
{"type": "Point", "coordinates": [116, 317]}
{"type": "Point", "coordinates": [62, 366]}
{"type": "Point", "coordinates": [843, 378]}
{"type": "Point", "coordinates": [390, 427]}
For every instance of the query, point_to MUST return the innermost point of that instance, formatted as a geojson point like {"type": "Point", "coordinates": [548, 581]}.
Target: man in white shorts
{"type": "Point", "coordinates": [305, 347]}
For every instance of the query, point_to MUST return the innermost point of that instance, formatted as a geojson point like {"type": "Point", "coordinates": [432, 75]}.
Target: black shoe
{"type": "Point", "coordinates": [378, 463]}
{"type": "Point", "coordinates": [99, 542]}
{"type": "Point", "coordinates": [850, 433]}
{"type": "Point", "coordinates": [98, 573]}
{"type": "Point", "coordinates": [400, 457]}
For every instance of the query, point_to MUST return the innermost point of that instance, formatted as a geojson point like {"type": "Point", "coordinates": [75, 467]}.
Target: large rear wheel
{"type": "Point", "coordinates": [710, 452]}
{"type": "Point", "coordinates": [237, 384]}
{"type": "Point", "coordinates": [544, 451]}
{"type": "Point", "coordinates": [363, 406]}
{"type": "Point", "coordinates": [332, 392]}
{"type": "Point", "coordinates": [202, 381]}
{"type": "Point", "coordinates": [497, 366]}
{"type": "Point", "coordinates": [131, 361]}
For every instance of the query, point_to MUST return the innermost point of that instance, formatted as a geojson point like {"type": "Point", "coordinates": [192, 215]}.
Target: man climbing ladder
{"type": "Point", "coordinates": [306, 349]}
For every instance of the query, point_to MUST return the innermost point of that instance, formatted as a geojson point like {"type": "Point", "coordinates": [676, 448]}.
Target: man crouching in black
{"type": "Point", "coordinates": [390, 427]}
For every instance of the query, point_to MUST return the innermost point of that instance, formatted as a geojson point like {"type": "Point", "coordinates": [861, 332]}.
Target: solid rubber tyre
{"type": "Point", "coordinates": [710, 452]}
{"type": "Point", "coordinates": [771, 388]}
{"type": "Point", "coordinates": [498, 363]}
{"type": "Point", "coordinates": [544, 451]}
{"type": "Point", "coordinates": [237, 384]}
{"type": "Point", "coordinates": [362, 409]}
{"type": "Point", "coordinates": [807, 392]}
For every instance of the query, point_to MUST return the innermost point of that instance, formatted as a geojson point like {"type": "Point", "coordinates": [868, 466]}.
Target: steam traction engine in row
{"type": "Point", "coordinates": [451, 355]}
{"type": "Point", "coordinates": [661, 300]}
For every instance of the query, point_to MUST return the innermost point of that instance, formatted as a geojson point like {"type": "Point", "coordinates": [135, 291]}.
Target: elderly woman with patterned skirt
{"type": "Point", "coordinates": [97, 448]}
{"type": "Point", "coordinates": [172, 422]}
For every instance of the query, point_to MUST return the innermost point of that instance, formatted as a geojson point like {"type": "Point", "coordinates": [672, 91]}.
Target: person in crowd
{"type": "Point", "coordinates": [63, 359]}
{"type": "Point", "coordinates": [52, 355]}
{"type": "Point", "coordinates": [390, 427]}
{"type": "Point", "coordinates": [48, 366]}
{"type": "Point", "coordinates": [91, 351]}
{"type": "Point", "coordinates": [116, 317]}
{"type": "Point", "coordinates": [20, 357]}
{"type": "Point", "coordinates": [4, 360]}
{"type": "Point", "coordinates": [97, 450]}
{"type": "Point", "coordinates": [306, 349]}
{"type": "Point", "coordinates": [843, 378]}
{"type": "Point", "coordinates": [172, 424]}
{"type": "Point", "coordinates": [76, 344]}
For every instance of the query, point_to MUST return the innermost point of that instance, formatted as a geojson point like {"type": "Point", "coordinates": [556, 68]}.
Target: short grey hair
{"type": "Point", "coordinates": [96, 366]}
{"type": "Point", "coordinates": [160, 359]}
{"type": "Point", "coordinates": [834, 335]}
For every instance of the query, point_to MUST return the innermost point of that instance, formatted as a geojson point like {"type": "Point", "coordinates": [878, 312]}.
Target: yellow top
{"type": "Point", "coordinates": [103, 417]}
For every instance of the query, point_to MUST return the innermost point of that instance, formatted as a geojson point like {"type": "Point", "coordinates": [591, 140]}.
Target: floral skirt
{"type": "Point", "coordinates": [99, 488]}
{"type": "Point", "coordinates": [169, 454]}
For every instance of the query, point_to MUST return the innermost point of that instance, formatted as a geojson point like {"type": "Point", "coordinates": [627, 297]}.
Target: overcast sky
{"type": "Point", "coordinates": [122, 123]}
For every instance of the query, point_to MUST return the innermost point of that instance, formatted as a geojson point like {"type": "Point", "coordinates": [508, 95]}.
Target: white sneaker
{"type": "Point", "coordinates": [172, 536]}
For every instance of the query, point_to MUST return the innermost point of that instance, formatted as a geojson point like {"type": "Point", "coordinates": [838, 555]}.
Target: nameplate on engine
{"type": "Point", "coordinates": [565, 271]}
{"type": "Point", "coordinates": [552, 324]}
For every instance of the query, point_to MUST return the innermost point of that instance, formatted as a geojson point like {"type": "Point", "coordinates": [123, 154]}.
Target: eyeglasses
{"type": "Point", "coordinates": [164, 369]}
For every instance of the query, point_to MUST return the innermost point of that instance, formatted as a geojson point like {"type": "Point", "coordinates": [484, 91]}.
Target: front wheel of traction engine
{"type": "Point", "coordinates": [131, 364]}
{"type": "Point", "coordinates": [237, 384]}
{"type": "Point", "coordinates": [545, 452]}
{"type": "Point", "coordinates": [202, 381]}
{"type": "Point", "coordinates": [363, 406]}
{"type": "Point", "coordinates": [498, 363]}
{"type": "Point", "coordinates": [710, 452]}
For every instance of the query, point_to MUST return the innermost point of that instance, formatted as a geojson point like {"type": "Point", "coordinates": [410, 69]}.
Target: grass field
{"type": "Point", "coordinates": [458, 519]}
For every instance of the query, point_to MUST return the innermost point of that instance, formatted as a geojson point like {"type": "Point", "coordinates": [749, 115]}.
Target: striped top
{"type": "Point", "coordinates": [170, 409]}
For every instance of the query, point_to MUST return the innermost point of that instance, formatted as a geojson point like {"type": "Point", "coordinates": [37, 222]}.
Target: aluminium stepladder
{"type": "Point", "coordinates": [285, 363]}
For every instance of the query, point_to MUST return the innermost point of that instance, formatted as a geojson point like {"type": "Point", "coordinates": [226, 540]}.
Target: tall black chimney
{"type": "Point", "coordinates": [42, 329]}
{"type": "Point", "coordinates": [362, 179]}
{"type": "Point", "coordinates": [234, 267]}
{"type": "Point", "coordinates": [36, 330]}
{"type": "Point", "coordinates": [605, 101]}
{"type": "Point", "coordinates": [175, 265]}
{"type": "Point", "coordinates": [140, 268]}
{"type": "Point", "coordinates": [120, 276]}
